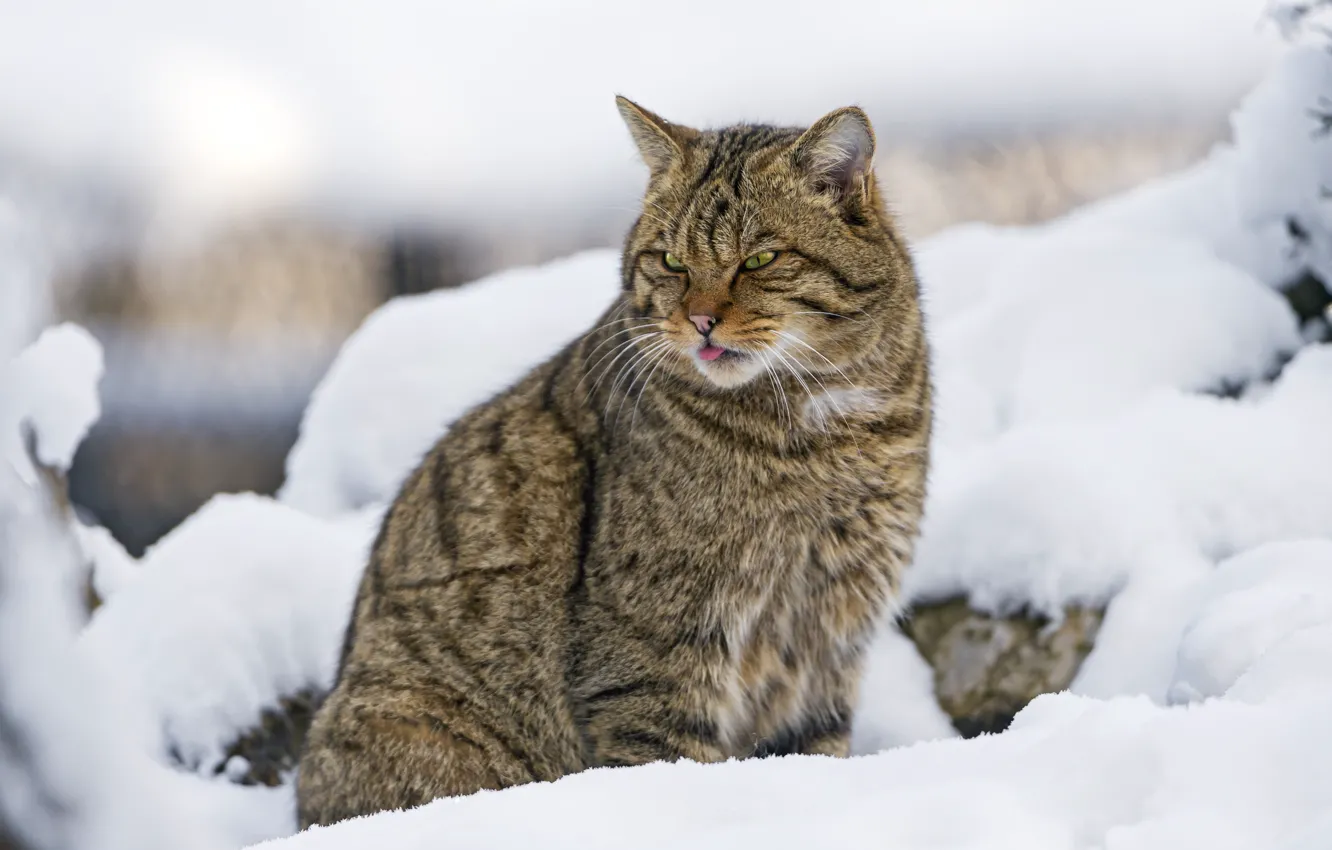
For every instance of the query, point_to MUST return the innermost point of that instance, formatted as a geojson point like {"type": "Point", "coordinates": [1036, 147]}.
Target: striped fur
{"type": "Point", "coordinates": [636, 553]}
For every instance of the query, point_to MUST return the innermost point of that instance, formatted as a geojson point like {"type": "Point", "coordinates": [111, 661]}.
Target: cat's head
{"type": "Point", "coordinates": [763, 248]}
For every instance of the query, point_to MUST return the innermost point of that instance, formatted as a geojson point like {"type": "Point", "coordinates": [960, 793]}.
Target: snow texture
{"type": "Point", "coordinates": [1283, 131]}
{"type": "Point", "coordinates": [69, 776]}
{"type": "Point", "coordinates": [395, 385]}
{"type": "Point", "coordinates": [1254, 611]}
{"type": "Point", "coordinates": [897, 705]}
{"type": "Point", "coordinates": [271, 591]}
{"type": "Point", "coordinates": [1073, 772]}
{"type": "Point", "coordinates": [89, 718]}
{"type": "Point", "coordinates": [52, 386]}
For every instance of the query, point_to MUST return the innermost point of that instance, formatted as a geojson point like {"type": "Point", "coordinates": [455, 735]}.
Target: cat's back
{"type": "Point", "coordinates": [456, 645]}
{"type": "Point", "coordinates": [506, 469]}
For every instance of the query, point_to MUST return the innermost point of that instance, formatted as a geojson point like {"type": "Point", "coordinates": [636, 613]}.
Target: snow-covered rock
{"type": "Point", "coordinates": [1083, 323]}
{"type": "Point", "coordinates": [986, 668]}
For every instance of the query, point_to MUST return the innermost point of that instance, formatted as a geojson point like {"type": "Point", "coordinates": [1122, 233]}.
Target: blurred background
{"type": "Point", "coordinates": [221, 192]}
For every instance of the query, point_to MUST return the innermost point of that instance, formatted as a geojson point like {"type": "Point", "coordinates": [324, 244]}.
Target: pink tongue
{"type": "Point", "coordinates": [711, 352]}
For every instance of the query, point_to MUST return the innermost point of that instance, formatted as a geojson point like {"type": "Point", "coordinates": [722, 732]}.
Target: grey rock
{"type": "Point", "coordinates": [987, 668]}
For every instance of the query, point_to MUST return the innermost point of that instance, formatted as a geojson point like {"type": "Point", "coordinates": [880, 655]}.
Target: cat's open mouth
{"type": "Point", "coordinates": [713, 353]}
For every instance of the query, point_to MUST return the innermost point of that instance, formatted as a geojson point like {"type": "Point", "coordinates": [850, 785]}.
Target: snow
{"type": "Point", "coordinates": [897, 705]}
{"type": "Point", "coordinates": [271, 590]}
{"type": "Point", "coordinates": [51, 385]}
{"type": "Point", "coordinates": [392, 388]}
{"type": "Point", "coordinates": [80, 754]}
{"type": "Point", "coordinates": [1084, 323]}
{"type": "Point", "coordinates": [1252, 607]}
{"type": "Point", "coordinates": [1200, 204]}
{"type": "Point", "coordinates": [113, 567]}
{"type": "Point", "coordinates": [1057, 513]}
{"type": "Point", "coordinates": [245, 107]}
{"type": "Point", "coordinates": [1134, 508]}
{"type": "Point", "coordinates": [65, 760]}
{"type": "Point", "coordinates": [1073, 772]}
{"type": "Point", "coordinates": [1285, 170]}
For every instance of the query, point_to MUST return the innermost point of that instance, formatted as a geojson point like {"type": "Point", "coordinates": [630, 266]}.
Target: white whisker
{"type": "Point", "coordinates": [800, 341]}
{"type": "Point", "coordinates": [633, 420]}
{"type": "Point", "coordinates": [631, 371]}
{"type": "Point", "coordinates": [788, 361]}
{"type": "Point", "coordinates": [600, 345]}
{"type": "Point", "coordinates": [642, 320]}
{"type": "Point", "coordinates": [780, 391]}
{"type": "Point", "coordinates": [622, 348]}
{"type": "Point", "coordinates": [831, 400]}
{"type": "Point", "coordinates": [822, 313]}
{"type": "Point", "coordinates": [625, 371]}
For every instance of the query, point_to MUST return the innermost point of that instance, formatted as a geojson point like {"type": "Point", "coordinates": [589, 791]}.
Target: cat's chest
{"type": "Point", "coordinates": [735, 542]}
{"type": "Point", "coordinates": [781, 647]}
{"type": "Point", "coordinates": [791, 632]}
{"type": "Point", "coordinates": [713, 496]}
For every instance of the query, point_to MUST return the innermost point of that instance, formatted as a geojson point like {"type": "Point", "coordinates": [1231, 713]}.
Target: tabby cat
{"type": "Point", "coordinates": [674, 539]}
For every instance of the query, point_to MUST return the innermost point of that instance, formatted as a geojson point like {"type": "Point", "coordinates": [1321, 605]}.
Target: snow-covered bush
{"type": "Point", "coordinates": [70, 776]}
{"type": "Point", "coordinates": [79, 767]}
{"type": "Point", "coordinates": [1283, 133]}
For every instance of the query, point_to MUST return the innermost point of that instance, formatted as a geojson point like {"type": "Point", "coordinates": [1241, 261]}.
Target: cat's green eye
{"type": "Point", "coordinates": [672, 262]}
{"type": "Point", "coordinates": [761, 259]}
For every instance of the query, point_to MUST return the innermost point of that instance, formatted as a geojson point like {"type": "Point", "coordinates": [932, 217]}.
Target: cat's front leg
{"type": "Point", "coordinates": [637, 723]}
{"type": "Point", "coordinates": [825, 726]}
{"type": "Point", "coordinates": [638, 703]}
{"type": "Point", "coordinates": [828, 742]}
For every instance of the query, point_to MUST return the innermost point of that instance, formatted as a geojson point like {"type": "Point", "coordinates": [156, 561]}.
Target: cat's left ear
{"type": "Point", "coordinates": [837, 153]}
{"type": "Point", "coordinates": [659, 141]}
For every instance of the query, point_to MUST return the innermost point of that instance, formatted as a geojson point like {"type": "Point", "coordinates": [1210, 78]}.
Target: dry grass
{"type": "Point", "coordinates": [1029, 180]}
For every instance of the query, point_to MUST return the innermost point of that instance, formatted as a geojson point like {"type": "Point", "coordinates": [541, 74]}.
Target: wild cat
{"type": "Point", "coordinates": [673, 539]}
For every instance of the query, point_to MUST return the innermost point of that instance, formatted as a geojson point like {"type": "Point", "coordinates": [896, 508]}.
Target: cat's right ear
{"type": "Point", "coordinates": [837, 153]}
{"type": "Point", "coordinates": [659, 141]}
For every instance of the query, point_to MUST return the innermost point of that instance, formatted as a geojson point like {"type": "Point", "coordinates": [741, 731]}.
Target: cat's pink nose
{"type": "Point", "coordinates": [703, 322]}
